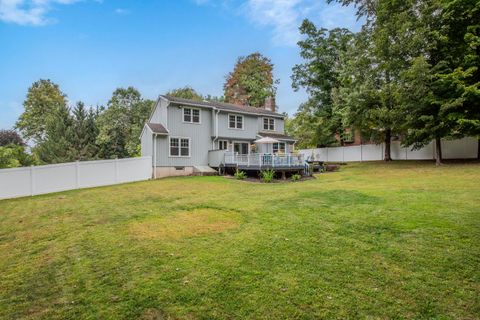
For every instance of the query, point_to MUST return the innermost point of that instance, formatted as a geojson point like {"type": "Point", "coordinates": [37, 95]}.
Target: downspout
{"type": "Point", "coordinates": [216, 112]}
{"type": "Point", "coordinates": [154, 156]}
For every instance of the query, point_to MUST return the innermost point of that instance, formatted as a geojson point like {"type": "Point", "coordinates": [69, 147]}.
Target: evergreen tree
{"type": "Point", "coordinates": [57, 146]}
{"type": "Point", "coordinates": [85, 132]}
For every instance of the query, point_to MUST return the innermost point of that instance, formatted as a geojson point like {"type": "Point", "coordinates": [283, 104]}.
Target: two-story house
{"type": "Point", "coordinates": [185, 136]}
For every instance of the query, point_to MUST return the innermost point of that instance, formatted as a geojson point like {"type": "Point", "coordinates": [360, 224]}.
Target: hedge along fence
{"type": "Point", "coordinates": [29, 181]}
{"type": "Point", "coordinates": [466, 148]}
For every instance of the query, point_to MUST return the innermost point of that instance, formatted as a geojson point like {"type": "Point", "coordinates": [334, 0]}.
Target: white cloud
{"type": "Point", "coordinates": [29, 12]}
{"type": "Point", "coordinates": [283, 17]}
{"type": "Point", "coordinates": [121, 11]}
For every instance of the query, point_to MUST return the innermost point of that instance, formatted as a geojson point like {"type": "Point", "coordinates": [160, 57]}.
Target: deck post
{"type": "Point", "coordinates": [260, 160]}
{"type": "Point", "coordinates": [248, 160]}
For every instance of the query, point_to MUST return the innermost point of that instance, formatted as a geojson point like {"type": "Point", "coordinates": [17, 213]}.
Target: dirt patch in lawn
{"type": "Point", "coordinates": [183, 224]}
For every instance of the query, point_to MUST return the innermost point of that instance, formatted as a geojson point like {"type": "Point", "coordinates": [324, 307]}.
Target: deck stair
{"type": "Point", "coordinates": [204, 171]}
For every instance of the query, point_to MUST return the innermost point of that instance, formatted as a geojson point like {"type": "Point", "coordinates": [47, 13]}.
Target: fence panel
{"type": "Point", "coordinates": [352, 153]}
{"type": "Point", "coordinates": [134, 169]}
{"type": "Point", "coordinates": [426, 153]}
{"type": "Point", "coordinates": [94, 173]}
{"type": "Point", "coordinates": [16, 182]}
{"type": "Point", "coordinates": [335, 154]}
{"type": "Point", "coordinates": [53, 178]}
{"type": "Point", "coordinates": [372, 152]}
{"type": "Point", "coordinates": [397, 151]}
{"type": "Point", "coordinates": [19, 182]}
{"type": "Point", "coordinates": [465, 148]}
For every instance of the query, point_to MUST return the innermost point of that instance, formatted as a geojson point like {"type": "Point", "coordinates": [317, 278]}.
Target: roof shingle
{"type": "Point", "coordinates": [157, 128]}
{"type": "Point", "coordinates": [224, 106]}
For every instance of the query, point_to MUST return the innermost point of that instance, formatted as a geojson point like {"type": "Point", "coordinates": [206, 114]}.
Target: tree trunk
{"type": "Point", "coordinates": [388, 139]}
{"type": "Point", "coordinates": [438, 151]}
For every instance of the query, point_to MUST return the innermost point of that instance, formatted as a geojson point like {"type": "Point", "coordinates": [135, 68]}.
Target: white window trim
{"type": "Point", "coordinates": [284, 144]}
{"type": "Point", "coordinates": [239, 141]}
{"type": "Point", "coordinates": [191, 115]}
{"type": "Point", "coordinates": [274, 124]}
{"type": "Point", "coordinates": [179, 147]}
{"type": "Point", "coordinates": [236, 115]}
{"type": "Point", "coordinates": [222, 140]}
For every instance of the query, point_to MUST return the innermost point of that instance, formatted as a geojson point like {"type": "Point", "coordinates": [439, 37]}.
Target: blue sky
{"type": "Point", "coordinates": [91, 47]}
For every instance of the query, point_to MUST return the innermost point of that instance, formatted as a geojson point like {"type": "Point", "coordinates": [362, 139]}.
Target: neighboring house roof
{"type": "Point", "coordinates": [224, 106]}
{"type": "Point", "coordinates": [157, 128]}
{"type": "Point", "coordinates": [276, 136]}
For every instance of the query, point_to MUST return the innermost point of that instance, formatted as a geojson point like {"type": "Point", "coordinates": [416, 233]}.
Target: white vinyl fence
{"type": "Point", "coordinates": [465, 148]}
{"type": "Point", "coordinates": [29, 181]}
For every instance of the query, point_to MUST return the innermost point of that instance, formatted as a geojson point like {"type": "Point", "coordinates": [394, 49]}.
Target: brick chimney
{"type": "Point", "coordinates": [270, 104]}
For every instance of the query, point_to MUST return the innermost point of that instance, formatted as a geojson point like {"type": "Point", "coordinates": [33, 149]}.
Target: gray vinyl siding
{"type": "Point", "coordinates": [200, 138]}
{"type": "Point", "coordinates": [279, 125]}
{"type": "Point", "coordinates": [146, 143]}
{"type": "Point", "coordinates": [160, 113]}
{"type": "Point", "coordinates": [249, 131]}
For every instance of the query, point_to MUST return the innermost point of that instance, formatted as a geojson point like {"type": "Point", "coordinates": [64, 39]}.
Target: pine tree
{"type": "Point", "coordinates": [57, 146]}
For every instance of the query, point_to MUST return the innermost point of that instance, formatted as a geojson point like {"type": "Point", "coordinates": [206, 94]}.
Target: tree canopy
{"type": "Point", "coordinates": [251, 82]}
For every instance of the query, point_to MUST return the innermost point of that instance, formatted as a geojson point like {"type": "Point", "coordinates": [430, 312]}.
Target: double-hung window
{"type": "Point", "coordinates": [191, 115]}
{"type": "Point", "coordinates": [179, 147]}
{"type": "Point", "coordinates": [235, 121]}
{"type": "Point", "coordinates": [279, 147]}
{"type": "Point", "coordinates": [269, 124]}
{"type": "Point", "coordinates": [222, 144]}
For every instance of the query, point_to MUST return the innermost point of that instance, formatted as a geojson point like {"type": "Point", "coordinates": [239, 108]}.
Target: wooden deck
{"type": "Point", "coordinates": [262, 161]}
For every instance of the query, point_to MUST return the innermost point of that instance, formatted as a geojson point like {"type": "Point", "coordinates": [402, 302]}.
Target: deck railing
{"type": "Point", "coordinates": [265, 159]}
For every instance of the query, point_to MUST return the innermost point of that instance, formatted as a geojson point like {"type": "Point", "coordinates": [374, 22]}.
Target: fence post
{"type": "Point", "coordinates": [116, 170]}
{"type": "Point", "coordinates": [361, 152]}
{"type": "Point", "coordinates": [77, 174]}
{"type": "Point", "coordinates": [32, 180]}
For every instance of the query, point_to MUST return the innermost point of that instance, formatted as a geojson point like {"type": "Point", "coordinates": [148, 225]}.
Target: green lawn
{"type": "Point", "coordinates": [374, 240]}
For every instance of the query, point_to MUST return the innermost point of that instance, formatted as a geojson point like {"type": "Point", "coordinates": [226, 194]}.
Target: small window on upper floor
{"type": "Point", "coordinates": [269, 124]}
{"type": "Point", "coordinates": [235, 121]}
{"type": "Point", "coordinates": [191, 115]}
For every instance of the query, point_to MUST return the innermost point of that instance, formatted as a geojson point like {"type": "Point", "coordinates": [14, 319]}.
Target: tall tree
{"type": "Point", "coordinates": [85, 132]}
{"type": "Point", "coordinates": [43, 98]}
{"type": "Point", "coordinates": [322, 51]}
{"type": "Point", "coordinates": [186, 93]}
{"type": "Point", "coordinates": [442, 86]}
{"type": "Point", "coordinates": [57, 145]}
{"type": "Point", "coordinates": [251, 81]}
{"type": "Point", "coordinates": [121, 123]}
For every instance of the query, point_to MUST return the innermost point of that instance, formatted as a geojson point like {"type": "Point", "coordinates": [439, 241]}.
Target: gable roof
{"type": "Point", "coordinates": [223, 106]}
{"type": "Point", "coordinates": [157, 128]}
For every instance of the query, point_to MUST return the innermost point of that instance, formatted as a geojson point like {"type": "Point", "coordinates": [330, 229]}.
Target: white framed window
{"type": "Point", "coordinates": [179, 147]}
{"type": "Point", "coordinates": [269, 124]}
{"type": "Point", "coordinates": [222, 144]}
{"type": "Point", "coordinates": [279, 147]}
{"type": "Point", "coordinates": [191, 115]}
{"type": "Point", "coordinates": [235, 121]}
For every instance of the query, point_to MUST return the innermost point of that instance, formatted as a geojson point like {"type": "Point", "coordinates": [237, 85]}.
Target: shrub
{"type": "Point", "coordinates": [240, 175]}
{"type": "Point", "coordinates": [296, 177]}
{"type": "Point", "coordinates": [267, 175]}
